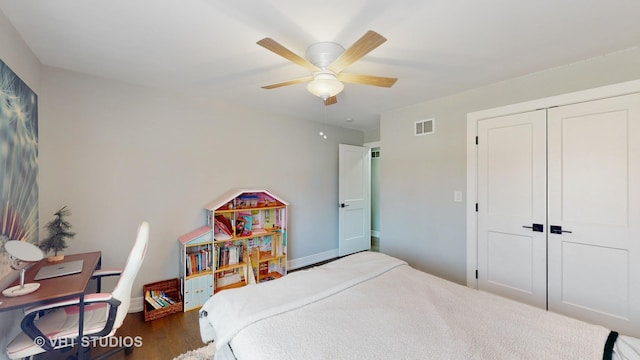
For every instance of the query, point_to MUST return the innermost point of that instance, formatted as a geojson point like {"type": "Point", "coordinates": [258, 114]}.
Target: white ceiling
{"type": "Point", "coordinates": [208, 47]}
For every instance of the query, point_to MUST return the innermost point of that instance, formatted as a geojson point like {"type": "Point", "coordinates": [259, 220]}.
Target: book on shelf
{"type": "Point", "coordinates": [224, 223]}
{"type": "Point", "coordinates": [221, 231]}
{"type": "Point", "coordinates": [233, 255]}
{"type": "Point", "coordinates": [229, 254]}
{"type": "Point", "coordinates": [161, 301]}
{"type": "Point", "coordinates": [165, 297]}
{"type": "Point", "coordinates": [154, 304]}
{"type": "Point", "coordinates": [158, 299]}
{"type": "Point", "coordinates": [198, 261]}
{"type": "Point", "coordinates": [228, 279]}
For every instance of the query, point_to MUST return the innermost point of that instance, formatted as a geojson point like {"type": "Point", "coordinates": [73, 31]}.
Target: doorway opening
{"type": "Point", "coordinates": [375, 194]}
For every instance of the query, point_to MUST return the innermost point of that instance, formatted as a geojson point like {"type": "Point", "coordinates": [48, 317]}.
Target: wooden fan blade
{"type": "Point", "coordinates": [275, 47]}
{"type": "Point", "coordinates": [360, 48]}
{"type": "Point", "coordinates": [331, 100]}
{"type": "Point", "coordinates": [290, 82]}
{"type": "Point", "coordinates": [367, 79]}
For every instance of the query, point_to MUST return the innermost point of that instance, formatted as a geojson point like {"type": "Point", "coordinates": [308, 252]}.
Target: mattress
{"type": "Point", "coordinates": [370, 305]}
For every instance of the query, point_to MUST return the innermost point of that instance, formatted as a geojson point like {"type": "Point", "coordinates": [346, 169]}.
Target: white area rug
{"type": "Point", "coordinates": [204, 353]}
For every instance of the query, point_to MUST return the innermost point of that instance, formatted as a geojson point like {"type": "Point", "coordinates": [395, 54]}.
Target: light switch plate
{"type": "Point", "coordinates": [457, 196]}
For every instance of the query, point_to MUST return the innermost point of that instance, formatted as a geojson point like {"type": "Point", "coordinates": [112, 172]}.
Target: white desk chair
{"type": "Point", "coordinates": [103, 312]}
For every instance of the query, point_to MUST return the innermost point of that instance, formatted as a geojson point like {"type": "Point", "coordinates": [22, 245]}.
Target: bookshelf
{"type": "Point", "coordinates": [249, 237]}
{"type": "Point", "coordinates": [196, 267]}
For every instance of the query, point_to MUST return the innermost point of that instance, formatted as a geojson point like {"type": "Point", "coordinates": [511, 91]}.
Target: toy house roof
{"type": "Point", "coordinates": [196, 234]}
{"type": "Point", "coordinates": [234, 193]}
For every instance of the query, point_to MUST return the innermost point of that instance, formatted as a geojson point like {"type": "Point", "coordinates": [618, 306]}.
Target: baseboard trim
{"type": "Point", "coordinates": [136, 304]}
{"type": "Point", "coordinates": [375, 233]}
{"type": "Point", "coordinates": [312, 259]}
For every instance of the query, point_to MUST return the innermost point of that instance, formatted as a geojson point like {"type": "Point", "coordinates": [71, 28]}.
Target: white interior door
{"type": "Point", "coordinates": [354, 199]}
{"type": "Point", "coordinates": [512, 207]}
{"type": "Point", "coordinates": [594, 196]}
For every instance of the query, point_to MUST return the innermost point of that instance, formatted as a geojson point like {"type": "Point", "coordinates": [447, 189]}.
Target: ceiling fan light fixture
{"type": "Point", "coordinates": [325, 85]}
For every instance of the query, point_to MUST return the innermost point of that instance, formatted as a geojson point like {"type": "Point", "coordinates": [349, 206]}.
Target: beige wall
{"type": "Point", "coordinates": [117, 154]}
{"type": "Point", "coordinates": [372, 135]}
{"type": "Point", "coordinates": [420, 222]}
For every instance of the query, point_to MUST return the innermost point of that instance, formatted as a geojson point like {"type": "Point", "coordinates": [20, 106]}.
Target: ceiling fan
{"type": "Point", "coordinates": [327, 60]}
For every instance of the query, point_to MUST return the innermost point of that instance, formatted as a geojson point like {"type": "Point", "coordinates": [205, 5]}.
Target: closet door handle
{"type": "Point", "coordinates": [556, 229]}
{"type": "Point", "coordinates": [535, 227]}
{"type": "Point", "coordinates": [343, 205]}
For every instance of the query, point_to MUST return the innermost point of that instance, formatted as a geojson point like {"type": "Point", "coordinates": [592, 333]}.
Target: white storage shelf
{"type": "Point", "coordinates": [196, 267]}
{"type": "Point", "coordinates": [250, 237]}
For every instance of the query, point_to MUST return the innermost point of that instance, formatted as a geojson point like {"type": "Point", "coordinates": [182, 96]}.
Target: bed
{"type": "Point", "coordinates": [373, 306]}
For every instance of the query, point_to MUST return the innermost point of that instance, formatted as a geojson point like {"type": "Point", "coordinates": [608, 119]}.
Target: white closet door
{"type": "Point", "coordinates": [511, 199]}
{"type": "Point", "coordinates": [594, 196]}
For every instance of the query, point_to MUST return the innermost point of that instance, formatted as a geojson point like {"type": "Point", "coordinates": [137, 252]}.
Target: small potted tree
{"type": "Point", "coordinates": [59, 230]}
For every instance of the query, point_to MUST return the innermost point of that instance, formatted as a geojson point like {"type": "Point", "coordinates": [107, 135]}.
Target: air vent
{"type": "Point", "coordinates": [424, 127]}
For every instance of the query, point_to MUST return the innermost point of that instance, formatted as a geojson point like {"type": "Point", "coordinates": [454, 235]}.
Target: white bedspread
{"type": "Point", "coordinates": [372, 306]}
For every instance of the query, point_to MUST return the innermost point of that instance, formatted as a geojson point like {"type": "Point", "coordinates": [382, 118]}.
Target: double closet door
{"type": "Point", "coordinates": [559, 209]}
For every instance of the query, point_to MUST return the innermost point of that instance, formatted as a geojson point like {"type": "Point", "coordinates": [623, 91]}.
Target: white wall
{"type": "Point", "coordinates": [372, 135]}
{"type": "Point", "coordinates": [17, 55]}
{"type": "Point", "coordinates": [420, 222]}
{"type": "Point", "coordinates": [117, 154]}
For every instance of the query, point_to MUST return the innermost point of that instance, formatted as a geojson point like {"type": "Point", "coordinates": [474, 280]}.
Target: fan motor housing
{"type": "Point", "coordinates": [322, 54]}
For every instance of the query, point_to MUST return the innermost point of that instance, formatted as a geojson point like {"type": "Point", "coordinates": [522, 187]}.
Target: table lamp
{"type": "Point", "coordinates": [21, 254]}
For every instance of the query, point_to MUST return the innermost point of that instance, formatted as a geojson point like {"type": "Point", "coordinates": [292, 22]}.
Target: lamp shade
{"type": "Point", "coordinates": [325, 85]}
{"type": "Point", "coordinates": [23, 251]}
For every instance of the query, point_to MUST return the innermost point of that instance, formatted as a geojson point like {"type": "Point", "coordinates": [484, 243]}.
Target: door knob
{"type": "Point", "coordinates": [556, 229]}
{"type": "Point", "coordinates": [535, 227]}
{"type": "Point", "coordinates": [343, 205]}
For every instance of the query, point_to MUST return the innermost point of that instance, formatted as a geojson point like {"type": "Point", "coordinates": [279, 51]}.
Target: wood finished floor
{"type": "Point", "coordinates": [163, 338]}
